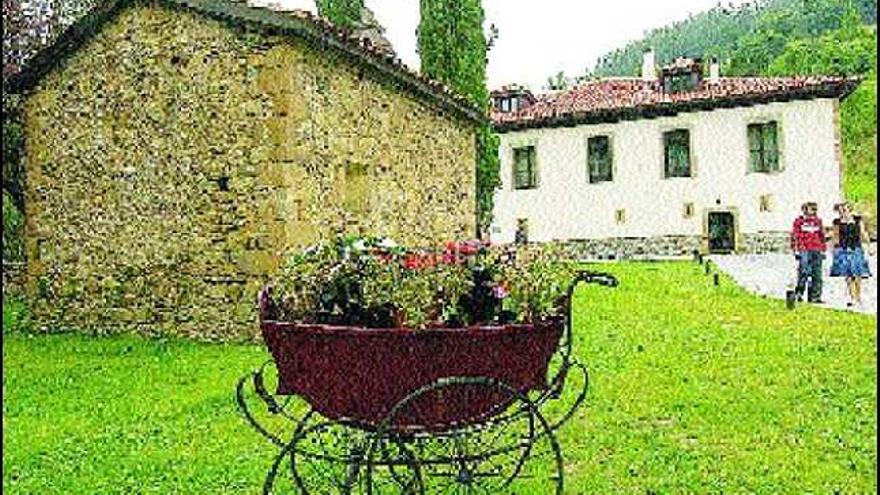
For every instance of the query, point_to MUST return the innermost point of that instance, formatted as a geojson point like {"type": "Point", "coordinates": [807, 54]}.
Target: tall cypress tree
{"type": "Point", "coordinates": [340, 12]}
{"type": "Point", "coordinates": [452, 49]}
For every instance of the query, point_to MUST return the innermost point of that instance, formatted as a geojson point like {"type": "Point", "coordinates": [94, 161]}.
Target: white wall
{"type": "Point", "coordinates": [566, 206]}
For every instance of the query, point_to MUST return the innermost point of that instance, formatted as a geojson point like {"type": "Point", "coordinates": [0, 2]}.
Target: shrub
{"type": "Point", "coordinates": [13, 230]}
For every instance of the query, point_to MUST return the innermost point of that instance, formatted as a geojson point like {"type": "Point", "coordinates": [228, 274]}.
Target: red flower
{"type": "Point", "coordinates": [411, 261]}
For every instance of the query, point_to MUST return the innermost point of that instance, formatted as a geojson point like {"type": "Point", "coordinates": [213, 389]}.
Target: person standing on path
{"type": "Point", "coordinates": [849, 259]}
{"type": "Point", "coordinates": [808, 244]}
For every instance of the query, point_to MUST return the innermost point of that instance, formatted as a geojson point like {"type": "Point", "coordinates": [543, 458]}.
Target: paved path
{"type": "Point", "coordinates": [772, 274]}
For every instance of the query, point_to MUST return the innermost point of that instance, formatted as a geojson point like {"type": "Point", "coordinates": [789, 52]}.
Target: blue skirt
{"type": "Point", "coordinates": [850, 262]}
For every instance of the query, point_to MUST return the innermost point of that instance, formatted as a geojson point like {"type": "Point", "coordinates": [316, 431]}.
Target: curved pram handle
{"type": "Point", "coordinates": [587, 277]}
{"type": "Point", "coordinates": [266, 307]}
{"type": "Point", "coordinates": [564, 305]}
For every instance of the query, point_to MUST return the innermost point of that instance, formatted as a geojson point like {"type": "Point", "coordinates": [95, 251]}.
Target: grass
{"type": "Point", "coordinates": [694, 389]}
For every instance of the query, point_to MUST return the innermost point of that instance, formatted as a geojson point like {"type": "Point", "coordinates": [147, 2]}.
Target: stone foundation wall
{"type": "Point", "coordinates": [174, 159]}
{"type": "Point", "coordinates": [766, 242]}
{"type": "Point", "coordinates": [622, 248]}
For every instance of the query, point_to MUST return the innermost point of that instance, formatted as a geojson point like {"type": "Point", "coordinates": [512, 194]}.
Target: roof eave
{"type": "Point", "coordinates": [79, 32]}
{"type": "Point", "coordinates": [838, 90]}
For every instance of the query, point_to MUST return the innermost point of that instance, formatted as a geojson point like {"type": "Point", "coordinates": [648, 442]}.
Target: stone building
{"type": "Point", "coordinates": [175, 149]}
{"type": "Point", "coordinates": [668, 163]}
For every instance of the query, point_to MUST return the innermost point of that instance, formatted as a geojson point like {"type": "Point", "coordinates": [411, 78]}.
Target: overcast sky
{"type": "Point", "coordinates": [538, 38]}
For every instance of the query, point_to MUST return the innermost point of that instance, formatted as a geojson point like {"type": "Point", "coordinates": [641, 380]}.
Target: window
{"type": "Point", "coordinates": [356, 190]}
{"type": "Point", "coordinates": [620, 216]}
{"type": "Point", "coordinates": [763, 147]}
{"type": "Point", "coordinates": [677, 153]}
{"type": "Point", "coordinates": [599, 159]}
{"type": "Point", "coordinates": [688, 211]}
{"type": "Point", "coordinates": [522, 231]}
{"type": "Point", "coordinates": [680, 83]}
{"type": "Point", "coordinates": [505, 105]}
{"type": "Point", "coordinates": [764, 203]}
{"type": "Point", "coordinates": [525, 173]}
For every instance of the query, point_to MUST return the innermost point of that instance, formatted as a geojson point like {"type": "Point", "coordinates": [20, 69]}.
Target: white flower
{"type": "Point", "coordinates": [359, 245]}
{"type": "Point", "coordinates": [387, 243]}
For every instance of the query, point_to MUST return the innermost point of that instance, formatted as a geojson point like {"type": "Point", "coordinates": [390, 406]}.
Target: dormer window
{"type": "Point", "coordinates": [510, 104]}
{"type": "Point", "coordinates": [682, 76]}
{"type": "Point", "coordinates": [511, 99]}
{"type": "Point", "coordinates": [680, 83]}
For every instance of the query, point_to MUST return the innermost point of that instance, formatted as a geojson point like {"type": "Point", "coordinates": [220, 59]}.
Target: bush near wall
{"type": "Point", "coordinates": [13, 231]}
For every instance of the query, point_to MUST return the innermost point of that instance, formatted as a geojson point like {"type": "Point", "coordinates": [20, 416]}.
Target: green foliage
{"type": "Point", "coordinates": [746, 37]}
{"type": "Point", "coordinates": [850, 50]}
{"type": "Point", "coordinates": [343, 13]}
{"type": "Point", "coordinates": [375, 283]}
{"type": "Point", "coordinates": [558, 82]}
{"type": "Point", "coordinates": [13, 140]}
{"type": "Point", "coordinates": [452, 49]}
{"type": "Point", "coordinates": [538, 277]}
{"type": "Point", "coordinates": [694, 389]}
{"type": "Point", "coordinates": [13, 230]}
{"type": "Point", "coordinates": [16, 316]}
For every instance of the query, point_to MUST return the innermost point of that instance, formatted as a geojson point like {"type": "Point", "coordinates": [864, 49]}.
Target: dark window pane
{"type": "Point", "coordinates": [524, 170]}
{"type": "Point", "coordinates": [677, 153]}
{"type": "Point", "coordinates": [763, 147]}
{"type": "Point", "coordinates": [599, 159]}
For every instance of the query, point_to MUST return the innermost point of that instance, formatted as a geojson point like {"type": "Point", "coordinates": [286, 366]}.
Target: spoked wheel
{"type": "Point", "coordinates": [331, 458]}
{"type": "Point", "coordinates": [514, 452]}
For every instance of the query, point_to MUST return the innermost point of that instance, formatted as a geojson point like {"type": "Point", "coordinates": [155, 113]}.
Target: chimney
{"type": "Point", "coordinates": [714, 70]}
{"type": "Point", "coordinates": [649, 72]}
{"type": "Point", "coordinates": [370, 29]}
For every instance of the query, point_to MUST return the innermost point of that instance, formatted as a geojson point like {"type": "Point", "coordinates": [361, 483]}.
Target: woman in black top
{"type": "Point", "coordinates": [849, 233]}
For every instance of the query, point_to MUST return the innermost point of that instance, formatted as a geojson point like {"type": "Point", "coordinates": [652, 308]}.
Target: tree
{"type": "Point", "coordinates": [558, 82]}
{"type": "Point", "coordinates": [452, 48]}
{"type": "Point", "coordinates": [343, 13]}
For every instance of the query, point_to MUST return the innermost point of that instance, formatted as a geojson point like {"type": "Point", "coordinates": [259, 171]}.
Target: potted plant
{"type": "Point", "coordinates": [357, 324]}
{"type": "Point", "coordinates": [375, 283]}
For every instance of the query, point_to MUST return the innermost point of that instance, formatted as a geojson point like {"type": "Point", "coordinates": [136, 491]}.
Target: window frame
{"type": "Point", "coordinates": [533, 173]}
{"type": "Point", "coordinates": [750, 162]}
{"type": "Point", "coordinates": [609, 158]}
{"type": "Point", "coordinates": [665, 154]}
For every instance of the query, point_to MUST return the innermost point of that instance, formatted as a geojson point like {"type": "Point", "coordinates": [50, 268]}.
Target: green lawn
{"type": "Point", "coordinates": [695, 389]}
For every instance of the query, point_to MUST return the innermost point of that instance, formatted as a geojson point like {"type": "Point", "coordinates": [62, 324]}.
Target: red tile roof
{"type": "Point", "coordinates": [611, 100]}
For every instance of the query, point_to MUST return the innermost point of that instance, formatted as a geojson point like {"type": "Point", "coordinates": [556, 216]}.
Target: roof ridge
{"type": "Point", "coordinates": [295, 21]}
{"type": "Point", "coordinates": [597, 103]}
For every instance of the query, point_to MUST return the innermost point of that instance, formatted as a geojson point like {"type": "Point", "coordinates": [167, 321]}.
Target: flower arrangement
{"type": "Point", "coordinates": [375, 283]}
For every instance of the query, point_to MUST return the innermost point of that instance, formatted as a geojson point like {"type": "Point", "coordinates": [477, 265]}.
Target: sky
{"type": "Point", "coordinates": [538, 38]}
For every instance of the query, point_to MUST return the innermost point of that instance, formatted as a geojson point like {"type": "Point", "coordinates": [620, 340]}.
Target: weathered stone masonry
{"type": "Point", "coordinates": [173, 158]}
{"type": "Point", "coordinates": [668, 246]}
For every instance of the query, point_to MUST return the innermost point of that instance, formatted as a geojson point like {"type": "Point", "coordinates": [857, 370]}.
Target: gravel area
{"type": "Point", "coordinates": [772, 274]}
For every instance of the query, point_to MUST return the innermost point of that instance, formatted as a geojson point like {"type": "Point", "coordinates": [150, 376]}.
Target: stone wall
{"type": "Point", "coordinates": [767, 242]}
{"type": "Point", "coordinates": [622, 248]}
{"type": "Point", "coordinates": [173, 159]}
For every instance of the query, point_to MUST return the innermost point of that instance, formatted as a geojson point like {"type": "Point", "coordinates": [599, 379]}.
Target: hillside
{"type": "Point", "coordinates": [747, 38]}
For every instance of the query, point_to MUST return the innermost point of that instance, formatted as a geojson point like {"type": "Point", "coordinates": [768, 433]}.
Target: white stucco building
{"type": "Point", "coordinates": [668, 164]}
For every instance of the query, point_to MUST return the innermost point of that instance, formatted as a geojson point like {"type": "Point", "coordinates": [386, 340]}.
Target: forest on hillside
{"type": "Point", "coordinates": [746, 38]}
